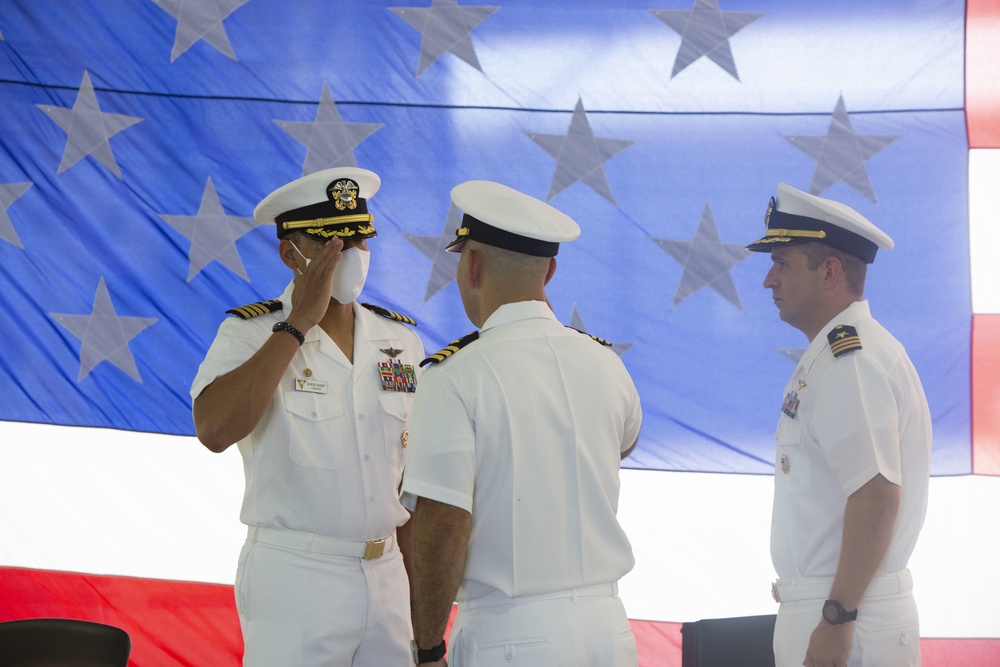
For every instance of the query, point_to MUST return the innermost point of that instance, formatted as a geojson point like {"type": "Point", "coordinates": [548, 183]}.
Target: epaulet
{"type": "Point", "coordinates": [451, 349]}
{"type": "Point", "coordinates": [255, 309]}
{"type": "Point", "coordinates": [843, 339]}
{"type": "Point", "coordinates": [379, 310]}
{"type": "Point", "coordinates": [603, 342]}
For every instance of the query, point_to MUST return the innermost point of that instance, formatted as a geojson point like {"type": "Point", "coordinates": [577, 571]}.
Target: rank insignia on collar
{"type": "Point", "coordinates": [397, 376]}
{"type": "Point", "coordinates": [843, 339]}
{"type": "Point", "coordinates": [391, 351]}
{"type": "Point", "coordinates": [791, 405]}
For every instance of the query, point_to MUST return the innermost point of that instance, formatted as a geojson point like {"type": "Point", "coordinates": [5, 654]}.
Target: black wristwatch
{"type": "Point", "coordinates": [835, 614]}
{"type": "Point", "coordinates": [422, 655]}
{"type": "Point", "coordinates": [285, 326]}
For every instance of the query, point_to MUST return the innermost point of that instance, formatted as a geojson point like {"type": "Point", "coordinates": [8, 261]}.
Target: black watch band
{"type": "Point", "coordinates": [835, 614]}
{"type": "Point", "coordinates": [422, 655]}
{"type": "Point", "coordinates": [285, 326]}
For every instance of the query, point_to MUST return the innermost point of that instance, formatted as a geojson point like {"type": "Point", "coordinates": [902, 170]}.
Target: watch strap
{"type": "Point", "coordinates": [285, 326]}
{"type": "Point", "coordinates": [843, 616]}
{"type": "Point", "coordinates": [422, 655]}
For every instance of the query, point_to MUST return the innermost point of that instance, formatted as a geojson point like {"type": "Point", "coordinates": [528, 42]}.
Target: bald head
{"type": "Point", "coordinates": [489, 277]}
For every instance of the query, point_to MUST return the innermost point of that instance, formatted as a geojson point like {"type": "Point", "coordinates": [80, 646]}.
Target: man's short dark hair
{"type": "Point", "coordinates": [855, 269]}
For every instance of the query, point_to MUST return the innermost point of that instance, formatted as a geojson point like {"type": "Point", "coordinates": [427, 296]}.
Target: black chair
{"type": "Point", "coordinates": [58, 642]}
{"type": "Point", "coordinates": [744, 641]}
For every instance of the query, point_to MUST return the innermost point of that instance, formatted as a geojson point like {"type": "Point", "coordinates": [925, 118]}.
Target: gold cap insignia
{"type": "Point", "coordinates": [344, 194]}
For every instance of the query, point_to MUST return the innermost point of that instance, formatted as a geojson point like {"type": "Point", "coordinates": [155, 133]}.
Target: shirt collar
{"type": "Point", "coordinates": [286, 300]}
{"type": "Point", "coordinates": [520, 310]}
{"type": "Point", "coordinates": [855, 312]}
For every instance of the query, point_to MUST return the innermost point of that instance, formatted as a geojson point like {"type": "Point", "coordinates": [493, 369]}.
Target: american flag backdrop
{"type": "Point", "coordinates": [136, 136]}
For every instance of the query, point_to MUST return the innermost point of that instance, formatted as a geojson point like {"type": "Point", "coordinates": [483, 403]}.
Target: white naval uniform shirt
{"type": "Point", "coordinates": [325, 463]}
{"type": "Point", "coordinates": [843, 421]}
{"type": "Point", "coordinates": [524, 428]}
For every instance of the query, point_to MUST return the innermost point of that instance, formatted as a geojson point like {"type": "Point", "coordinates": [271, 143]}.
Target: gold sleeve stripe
{"type": "Point", "coordinates": [255, 309]}
{"type": "Point", "coordinates": [845, 345]}
{"type": "Point", "coordinates": [450, 349]}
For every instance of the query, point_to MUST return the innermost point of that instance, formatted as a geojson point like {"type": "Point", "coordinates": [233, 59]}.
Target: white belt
{"type": "Point", "coordinates": [320, 544]}
{"type": "Point", "coordinates": [500, 598]}
{"type": "Point", "coordinates": [818, 588]}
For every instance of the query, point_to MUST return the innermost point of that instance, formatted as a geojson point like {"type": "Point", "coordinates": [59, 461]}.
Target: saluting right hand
{"type": "Point", "coordinates": [314, 286]}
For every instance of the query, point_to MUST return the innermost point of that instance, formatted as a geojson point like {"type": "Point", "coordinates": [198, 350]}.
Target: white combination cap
{"type": "Point", "coordinates": [505, 218]}
{"type": "Point", "coordinates": [799, 217]}
{"type": "Point", "coordinates": [332, 202]}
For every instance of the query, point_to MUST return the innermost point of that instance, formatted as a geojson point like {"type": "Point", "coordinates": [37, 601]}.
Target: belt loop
{"type": "Point", "coordinates": [309, 543]}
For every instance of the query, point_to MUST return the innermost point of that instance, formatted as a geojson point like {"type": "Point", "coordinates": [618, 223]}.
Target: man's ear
{"type": "Point", "coordinates": [287, 253]}
{"type": "Point", "coordinates": [474, 263]}
{"type": "Point", "coordinates": [833, 271]}
{"type": "Point", "coordinates": [551, 270]}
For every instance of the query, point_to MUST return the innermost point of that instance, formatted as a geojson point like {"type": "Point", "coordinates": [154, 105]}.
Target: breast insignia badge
{"type": "Point", "coordinates": [397, 376]}
{"type": "Point", "coordinates": [791, 405]}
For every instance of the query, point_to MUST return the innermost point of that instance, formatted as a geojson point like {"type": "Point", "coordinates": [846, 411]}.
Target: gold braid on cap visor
{"type": "Point", "coordinates": [786, 235]}
{"type": "Point", "coordinates": [308, 226]}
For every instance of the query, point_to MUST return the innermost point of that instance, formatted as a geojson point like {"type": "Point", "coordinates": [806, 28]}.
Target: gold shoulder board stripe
{"type": "Point", "coordinates": [598, 339]}
{"type": "Point", "coordinates": [255, 309]}
{"type": "Point", "coordinates": [379, 310]}
{"type": "Point", "coordinates": [843, 339]}
{"type": "Point", "coordinates": [451, 349]}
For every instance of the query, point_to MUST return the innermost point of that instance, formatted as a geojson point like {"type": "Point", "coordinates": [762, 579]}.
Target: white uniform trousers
{"type": "Point", "coordinates": [887, 631]}
{"type": "Point", "coordinates": [302, 608]}
{"type": "Point", "coordinates": [586, 627]}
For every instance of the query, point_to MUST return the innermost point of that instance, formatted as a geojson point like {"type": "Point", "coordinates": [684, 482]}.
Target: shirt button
{"type": "Point", "coordinates": [315, 414]}
{"type": "Point", "coordinates": [367, 457]}
{"type": "Point", "coordinates": [371, 499]}
{"type": "Point", "coordinates": [361, 416]}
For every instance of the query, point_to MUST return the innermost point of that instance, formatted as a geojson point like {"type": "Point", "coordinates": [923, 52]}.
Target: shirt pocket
{"type": "Point", "coordinates": [394, 410]}
{"type": "Point", "coordinates": [318, 433]}
{"type": "Point", "coordinates": [792, 470]}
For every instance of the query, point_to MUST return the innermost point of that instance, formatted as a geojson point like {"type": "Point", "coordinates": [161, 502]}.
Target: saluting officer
{"type": "Point", "coordinates": [317, 391]}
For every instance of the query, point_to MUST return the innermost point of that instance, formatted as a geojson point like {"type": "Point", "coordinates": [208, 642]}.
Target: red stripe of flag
{"type": "Point", "coordinates": [986, 394]}
{"type": "Point", "coordinates": [184, 623]}
{"type": "Point", "coordinates": [982, 73]}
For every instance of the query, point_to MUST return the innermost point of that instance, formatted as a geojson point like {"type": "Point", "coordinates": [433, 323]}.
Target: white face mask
{"type": "Point", "coordinates": [350, 274]}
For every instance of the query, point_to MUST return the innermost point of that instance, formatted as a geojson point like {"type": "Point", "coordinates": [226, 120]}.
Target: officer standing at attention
{"type": "Point", "coordinates": [853, 449]}
{"type": "Point", "coordinates": [316, 390]}
{"type": "Point", "coordinates": [516, 440]}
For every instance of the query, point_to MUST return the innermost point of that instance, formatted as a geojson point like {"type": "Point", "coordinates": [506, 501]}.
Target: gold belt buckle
{"type": "Point", "coordinates": [774, 592]}
{"type": "Point", "coordinates": [374, 549]}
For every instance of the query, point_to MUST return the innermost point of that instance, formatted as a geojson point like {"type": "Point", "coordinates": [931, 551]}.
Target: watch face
{"type": "Point", "coordinates": [835, 614]}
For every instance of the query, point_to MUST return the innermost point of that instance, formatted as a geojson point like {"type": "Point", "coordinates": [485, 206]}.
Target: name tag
{"type": "Point", "coordinates": [311, 386]}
